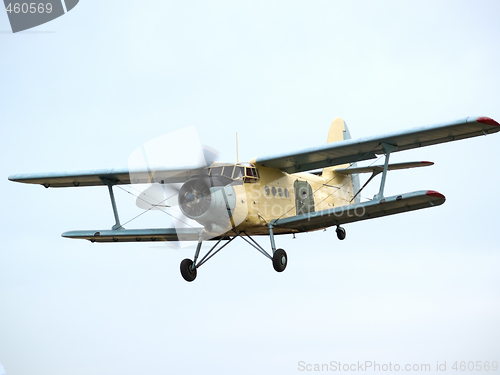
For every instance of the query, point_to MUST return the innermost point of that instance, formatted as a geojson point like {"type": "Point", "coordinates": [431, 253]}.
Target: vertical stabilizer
{"type": "Point", "coordinates": [337, 131]}
{"type": "Point", "coordinates": [349, 184]}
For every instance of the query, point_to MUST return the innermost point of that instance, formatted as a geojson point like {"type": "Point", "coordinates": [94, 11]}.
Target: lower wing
{"type": "Point", "coordinates": [362, 211]}
{"type": "Point", "coordinates": [136, 235]}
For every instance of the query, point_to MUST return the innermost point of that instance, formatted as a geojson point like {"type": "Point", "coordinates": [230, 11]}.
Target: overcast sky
{"type": "Point", "coordinates": [88, 88]}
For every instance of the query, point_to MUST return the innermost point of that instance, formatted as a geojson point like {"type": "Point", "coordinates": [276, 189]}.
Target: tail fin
{"type": "Point", "coordinates": [340, 132]}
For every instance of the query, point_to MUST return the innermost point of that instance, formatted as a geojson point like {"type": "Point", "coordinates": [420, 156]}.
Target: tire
{"type": "Point", "coordinates": [186, 272]}
{"type": "Point", "coordinates": [340, 233]}
{"type": "Point", "coordinates": [280, 260]}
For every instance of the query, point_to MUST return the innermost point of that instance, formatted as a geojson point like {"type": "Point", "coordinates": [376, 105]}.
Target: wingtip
{"type": "Point", "coordinates": [487, 121]}
{"type": "Point", "coordinates": [435, 194]}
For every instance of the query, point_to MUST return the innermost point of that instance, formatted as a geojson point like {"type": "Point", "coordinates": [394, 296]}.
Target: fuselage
{"type": "Point", "coordinates": [264, 194]}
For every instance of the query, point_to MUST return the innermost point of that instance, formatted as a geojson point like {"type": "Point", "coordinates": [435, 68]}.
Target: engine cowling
{"type": "Point", "coordinates": [206, 200]}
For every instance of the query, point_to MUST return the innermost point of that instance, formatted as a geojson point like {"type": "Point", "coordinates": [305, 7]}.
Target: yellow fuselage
{"type": "Point", "coordinates": [278, 195]}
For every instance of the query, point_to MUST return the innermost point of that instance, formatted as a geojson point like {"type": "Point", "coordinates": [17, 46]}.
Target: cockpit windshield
{"type": "Point", "coordinates": [235, 172]}
{"type": "Point", "coordinates": [228, 171]}
{"type": "Point", "coordinates": [238, 172]}
{"type": "Point", "coordinates": [216, 171]}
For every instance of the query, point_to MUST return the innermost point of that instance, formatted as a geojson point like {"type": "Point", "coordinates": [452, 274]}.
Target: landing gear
{"type": "Point", "coordinates": [188, 271]}
{"type": "Point", "coordinates": [280, 260]}
{"type": "Point", "coordinates": [340, 233]}
{"type": "Point", "coordinates": [189, 267]}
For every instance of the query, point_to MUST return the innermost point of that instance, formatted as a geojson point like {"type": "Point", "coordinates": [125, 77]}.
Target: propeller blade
{"type": "Point", "coordinates": [211, 155]}
{"type": "Point", "coordinates": [158, 197]}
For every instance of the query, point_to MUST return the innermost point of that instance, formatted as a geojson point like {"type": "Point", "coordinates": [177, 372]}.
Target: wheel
{"type": "Point", "coordinates": [280, 260]}
{"type": "Point", "coordinates": [187, 273]}
{"type": "Point", "coordinates": [340, 233]}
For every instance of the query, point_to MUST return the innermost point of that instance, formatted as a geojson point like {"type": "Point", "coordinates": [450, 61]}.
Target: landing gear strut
{"type": "Point", "coordinates": [189, 267]}
{"type": "Point", "coordinates": [340, 233]}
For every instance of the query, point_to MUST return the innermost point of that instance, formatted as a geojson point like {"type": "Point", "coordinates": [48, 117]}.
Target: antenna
{"type": "Point", "coordinates": [237, 158]}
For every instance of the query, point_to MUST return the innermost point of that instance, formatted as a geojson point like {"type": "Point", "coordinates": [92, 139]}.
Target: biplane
{"type": "Point", "coordinates": [293, 192]}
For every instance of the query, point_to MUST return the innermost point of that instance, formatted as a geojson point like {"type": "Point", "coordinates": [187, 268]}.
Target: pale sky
{"type": "Point", "coordinates": [85, 90]}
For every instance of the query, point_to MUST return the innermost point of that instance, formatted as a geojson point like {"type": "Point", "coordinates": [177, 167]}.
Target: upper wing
{"type": "Point", "coordinates": [353, 150]}
{"type": "Point", "coordinates": [105, 176]}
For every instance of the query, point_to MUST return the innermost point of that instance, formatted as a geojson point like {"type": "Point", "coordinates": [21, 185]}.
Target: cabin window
{"type": "Point", "coordinates": [273, 191]}
{"type": "Point", "coordinates": [287, 193]}
{"type": "Point", "coordinates": [280, 192]}
{"type": "Point", "coordinates": [251, 174]}
{"type": "Point", "coordinates": [267, 190]}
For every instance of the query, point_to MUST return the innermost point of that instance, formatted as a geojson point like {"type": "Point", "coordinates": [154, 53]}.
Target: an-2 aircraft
{"type": "Point", "coordinates": [293, 192]}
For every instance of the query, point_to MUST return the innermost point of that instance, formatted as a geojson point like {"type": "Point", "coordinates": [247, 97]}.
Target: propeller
{"type": "Point", "coordinates": [186, 160]}
{"type": "Point", "coordinates": [173, 164]}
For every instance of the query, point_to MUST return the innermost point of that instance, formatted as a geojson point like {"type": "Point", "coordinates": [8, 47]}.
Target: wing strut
{"type": "Point", "coordinates": [388, 148]}
{"type": "Point", "coordinates": [110, 184]}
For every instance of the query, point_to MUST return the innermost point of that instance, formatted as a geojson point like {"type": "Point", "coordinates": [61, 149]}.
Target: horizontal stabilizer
{"type": "Point", "coordinates": [362, 211]}
{"type": "Point", "coordinates": [380, 168]}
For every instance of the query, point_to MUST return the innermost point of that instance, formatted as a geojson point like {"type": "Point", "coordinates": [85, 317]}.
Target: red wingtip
{"type": "Point", "coordinates": [433, 193]}
{"type": "Point", "coordinates": [487, 121]}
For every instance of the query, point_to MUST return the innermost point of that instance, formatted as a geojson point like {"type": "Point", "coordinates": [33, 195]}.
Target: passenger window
{"type": "Point", "coordinates": [266, 190]}
{"type": "Point", "coordinates": [274, 191]}
{"type": "Point", "coordinates": [280, 192]}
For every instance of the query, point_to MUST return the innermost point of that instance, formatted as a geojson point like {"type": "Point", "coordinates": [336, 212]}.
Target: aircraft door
{"type": "Point", "coordinates": [304, 198]}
